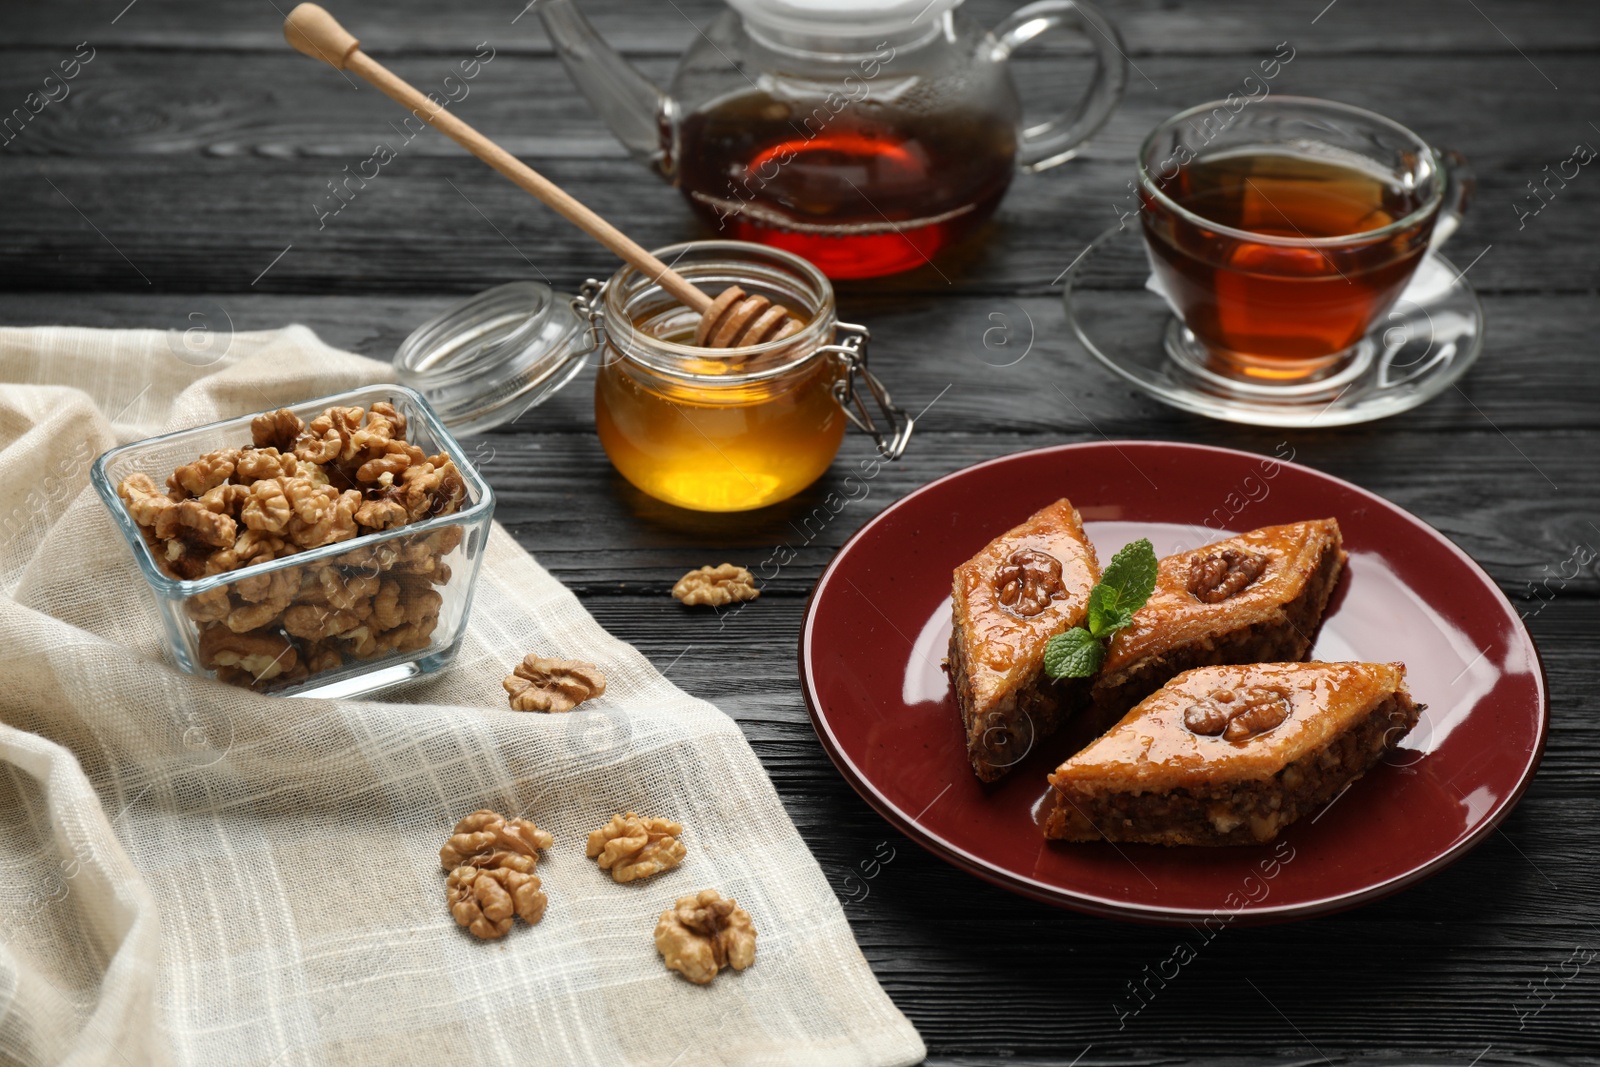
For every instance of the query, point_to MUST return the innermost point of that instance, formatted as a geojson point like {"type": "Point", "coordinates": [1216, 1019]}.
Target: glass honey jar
{"type": "Point", "coordinates": [729, 429]}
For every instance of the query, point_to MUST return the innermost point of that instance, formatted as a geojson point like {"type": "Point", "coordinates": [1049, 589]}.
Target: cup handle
{"type": "Point", "coordinates": [1460, 187]}
{"type": "Point", "coordinates": [1057, 139]}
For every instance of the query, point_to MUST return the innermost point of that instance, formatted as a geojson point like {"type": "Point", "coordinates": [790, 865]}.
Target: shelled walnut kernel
{"type": "Point", "coordinates": [716, 586]}
{"type": "Point", "coordinates": [486, 832]}
{"type": "Point", "coordinates": [632, 847]}
{"type": "Point", "coordinates": [491, 860]}
{"type": "Point", "coordinates": [483, 899]}
{"type": "Point", "coordinates": [1027, 581]}
{"type": "Point", "coordinates": [1239, 715]}
{"type": "Point", "coordinates": [298, 487]}
{"type": "Point", "coordinates": [1224, 573]}
{"type": "Point", "coordinates": [703, 933]}
{"type": "Point", "coordinates": [553, 685]}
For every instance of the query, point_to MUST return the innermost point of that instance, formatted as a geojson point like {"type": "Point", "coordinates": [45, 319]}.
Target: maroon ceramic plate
{"type": "Point", "coordinates": [878, 623]}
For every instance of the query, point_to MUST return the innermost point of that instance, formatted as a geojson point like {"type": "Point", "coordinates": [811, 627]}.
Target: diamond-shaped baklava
{"type": "Point", "coordinates": [1026, 586]}
{"type": "Point", "coordinates": [1231, 755]}
{"type": "Point", "coordinates": [1254, 598]}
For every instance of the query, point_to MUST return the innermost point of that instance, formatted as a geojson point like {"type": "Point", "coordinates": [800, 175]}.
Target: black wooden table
{"type": "Point", "coordinates": [176, 186]}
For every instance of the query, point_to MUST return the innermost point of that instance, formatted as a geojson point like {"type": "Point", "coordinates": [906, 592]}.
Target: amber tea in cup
{"type": "Point", "coordinates": [1283, 230]}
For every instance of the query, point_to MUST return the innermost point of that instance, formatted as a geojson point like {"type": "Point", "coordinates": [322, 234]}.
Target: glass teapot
{"type": "Point", "coordinates": [864, 135]}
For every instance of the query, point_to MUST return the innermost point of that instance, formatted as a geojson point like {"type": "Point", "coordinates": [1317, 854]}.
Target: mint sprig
{"type": "Point", "coordinates": [1074, 654]}
{"type": "Point", "coordinates": [1125, 585]}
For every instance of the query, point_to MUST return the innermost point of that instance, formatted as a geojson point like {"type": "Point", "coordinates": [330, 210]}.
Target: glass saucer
{"type": "Point", "coordinates": [1429, 339]}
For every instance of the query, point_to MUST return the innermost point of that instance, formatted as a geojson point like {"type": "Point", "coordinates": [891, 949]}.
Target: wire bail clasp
{"type": "Point", "coordinates": [851, 354]}
{"type": "Point", "coordinates": [587, 306]}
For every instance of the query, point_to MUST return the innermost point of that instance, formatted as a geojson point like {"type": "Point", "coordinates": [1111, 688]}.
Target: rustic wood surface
{"type": "Point", "coordinates": [194, 145]}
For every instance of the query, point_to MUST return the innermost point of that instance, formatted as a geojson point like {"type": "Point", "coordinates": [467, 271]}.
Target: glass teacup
{"type": "Point", "coordinates": [1281, 230]}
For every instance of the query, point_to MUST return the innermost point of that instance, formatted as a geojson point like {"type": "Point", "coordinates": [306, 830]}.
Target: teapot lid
{"type": "Point", "coordinates": [843, 18]}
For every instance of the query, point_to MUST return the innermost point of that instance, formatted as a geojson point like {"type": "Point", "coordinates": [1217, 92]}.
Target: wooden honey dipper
{"type": "Point", "coordinates": [733, 320]}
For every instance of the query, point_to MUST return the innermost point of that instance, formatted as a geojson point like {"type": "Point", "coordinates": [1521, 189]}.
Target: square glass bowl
{"type": "Point", "coordinates": [369, 612]}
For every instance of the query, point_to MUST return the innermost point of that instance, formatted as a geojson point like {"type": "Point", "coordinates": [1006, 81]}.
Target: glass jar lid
{"type": "Point", "coordinates": [488, 359]}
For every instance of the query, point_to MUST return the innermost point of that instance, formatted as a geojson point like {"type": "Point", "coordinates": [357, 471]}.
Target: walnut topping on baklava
{"type": "Point", "coordinates": [1238, 715]}
{"type": "Point", "coordinates": [1218, 575]}
{"type": "Point", "coordinates": [1027, 581]}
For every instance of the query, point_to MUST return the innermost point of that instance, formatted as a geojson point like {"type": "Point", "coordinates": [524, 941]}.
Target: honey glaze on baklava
{"type": "Point", "coordinates": [1027, 585]}
{"type": "Point", "coordinates": [1255, 598]}
{"type": "Point", "coordinates": [1231, 755]}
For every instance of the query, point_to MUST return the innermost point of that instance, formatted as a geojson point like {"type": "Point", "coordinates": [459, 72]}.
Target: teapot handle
{"type": "Point", "coordinates": [1057, 139]}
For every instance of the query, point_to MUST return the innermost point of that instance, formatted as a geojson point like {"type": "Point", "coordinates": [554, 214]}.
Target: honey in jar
{"type": "Point", "coordinates": [705, 440]}
{"type": "Point", "coordinates": [724, 429]}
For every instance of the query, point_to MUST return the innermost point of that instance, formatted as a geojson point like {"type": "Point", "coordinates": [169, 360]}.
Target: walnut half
{"type": "Point", "coordinates": [540, 684]}
{"type": "Point", "coordinates": [483, 899]}
{"type": "Point", "coordinates": [716, 586]}
{"type": "Point", "coordinates": [486, 832]}
{"type": "Point", "coordinates": [704, 933]}
{"type": "Point", "coordinates": [1218, 575]}
{"type": "Point", "coordinates": [1027, 581]}
{"type": "Point", "coordinates": [632, 848]}
{"type": "Point", "coordinates": [1238, 715]}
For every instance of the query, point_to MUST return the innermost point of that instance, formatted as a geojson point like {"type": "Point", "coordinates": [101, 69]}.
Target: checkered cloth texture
{"type": "Point", "coordinates": [191, 873]}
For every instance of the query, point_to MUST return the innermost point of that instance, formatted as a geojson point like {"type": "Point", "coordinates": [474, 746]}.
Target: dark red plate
{"type": "Point", "coordinates": [878, 623]}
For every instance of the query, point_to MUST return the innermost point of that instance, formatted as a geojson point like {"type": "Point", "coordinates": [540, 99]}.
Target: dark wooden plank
{"type": "Point", "coordinates": [277, 104]}
{"type": "Point", "coordinates": [1218, 27]}
{"type": "Point", "coordinates": [213, 186]}
{"type": "Point", "coordinates": [188, 225]}
{"type": "Point", "coordinates": [1486, 490]}
{"type": "Point", "coordinates": [1537, 372]}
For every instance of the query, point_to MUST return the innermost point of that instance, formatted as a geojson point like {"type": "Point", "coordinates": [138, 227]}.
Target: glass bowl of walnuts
{"type": "Point", "coordinates": [325, 549]}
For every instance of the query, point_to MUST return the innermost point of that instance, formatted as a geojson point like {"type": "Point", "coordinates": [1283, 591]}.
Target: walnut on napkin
{"type": "Point", "coordinates": [633, 848]}
{"type": "Point", "coordinates": [553, 685]}
{"type": "Point", "coordinates": [491, 860]}
{"type": "Point", "coordinates": [703, 933]}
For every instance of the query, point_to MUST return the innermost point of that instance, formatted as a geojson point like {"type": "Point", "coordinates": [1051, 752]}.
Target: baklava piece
{"type": "Point", "coordinates": [1231, 755]}
{"type": "Point", "coordinates": [1255, 598]}
{"type": "Point", "coordinates": [1028, 585]}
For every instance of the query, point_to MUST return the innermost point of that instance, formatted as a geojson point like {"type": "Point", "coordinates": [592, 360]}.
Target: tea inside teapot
{"type": "Point", "coordinates": [871, 189]}
{"type": "Point", "coordinates": [865, 136]}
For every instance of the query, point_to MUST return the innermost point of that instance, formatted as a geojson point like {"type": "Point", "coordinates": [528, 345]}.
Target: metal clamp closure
{"type": "Point", "coordinates": [851, 354]}
{"type": "Point", "coordinates": [587, 305]}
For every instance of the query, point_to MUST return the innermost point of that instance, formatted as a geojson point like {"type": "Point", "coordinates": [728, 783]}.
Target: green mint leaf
{"type": "Point", "coordinates": [1074, 654]}
{"type": "Point", "coordinates": [1104, 619]}
{"type": "Point", "coordinates": [1125, 585]}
